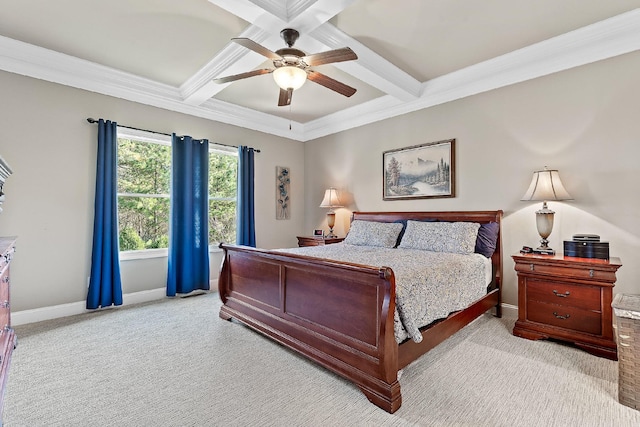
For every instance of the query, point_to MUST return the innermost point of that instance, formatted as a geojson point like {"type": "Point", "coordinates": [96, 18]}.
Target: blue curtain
{"type": "Point", "coordinates": [246, 222]}
{"type": "Point", "coordinates": [105, 286]}
{"type": "Point", "coordinates": [189, 216]}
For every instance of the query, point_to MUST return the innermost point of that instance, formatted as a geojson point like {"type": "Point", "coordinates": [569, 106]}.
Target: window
{"type": "Point", "coordinates": [223, 185]}
{"type": "Point", "coordinates": [144, 182]}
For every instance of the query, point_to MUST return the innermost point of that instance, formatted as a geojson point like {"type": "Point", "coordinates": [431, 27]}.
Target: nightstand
{"type": "Point", "coordinates": [318, 240]}
{"type": "Point", "coordinates": [567, 299]}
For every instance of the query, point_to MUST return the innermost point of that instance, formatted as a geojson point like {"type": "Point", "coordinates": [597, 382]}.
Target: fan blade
{"type": "Point", "coordinates": [330, 83]}
{"type": "Point", "coordinates": [242, 76]}
{"type": "Point", "coordinates": [250, 44]}
{"type": "Point", "coordinates": [337, 55]}
{"type": "Point", "coordinates": [285, 97]}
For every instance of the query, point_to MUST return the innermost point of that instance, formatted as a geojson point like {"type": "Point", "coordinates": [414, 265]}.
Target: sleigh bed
{"type": "Point", "coordinates": [341, 314]}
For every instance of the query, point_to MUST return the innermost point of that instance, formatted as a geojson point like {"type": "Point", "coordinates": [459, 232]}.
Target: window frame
{"type": "Point", "coordinates": [227, 151]}
{"type": "Point", "coordinates": [161, 139]}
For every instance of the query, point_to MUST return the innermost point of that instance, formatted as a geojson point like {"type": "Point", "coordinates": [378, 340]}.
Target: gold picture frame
{"type": "Point", "coordinates": [420, 171]}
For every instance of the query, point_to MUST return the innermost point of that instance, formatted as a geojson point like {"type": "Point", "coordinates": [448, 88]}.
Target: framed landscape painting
{"type": "Point", "coordinates": [419, 172]}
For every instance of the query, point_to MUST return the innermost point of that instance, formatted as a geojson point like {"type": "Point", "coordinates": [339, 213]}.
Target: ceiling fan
{"type": "Point", "coordinates": [292, 66]}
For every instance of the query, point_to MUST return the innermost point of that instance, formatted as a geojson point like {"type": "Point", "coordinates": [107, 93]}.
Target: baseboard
{"type": "Point", "coordinates": [62, 310]}
{"type": "Point", "coordinates": [70, 309]}
{"type": "Point", "coordinates": [509, 310]}
{"type": "Point", "coordinates": [47, 313]}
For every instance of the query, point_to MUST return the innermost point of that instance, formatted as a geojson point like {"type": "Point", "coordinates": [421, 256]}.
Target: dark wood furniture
{"type": "Point", "coordinates": [317, 240]}
{"type": "Point", "coordinates": [7, 336]}
{"type": "Point", "coordinates": [338, 314]}
{"type": "Point", "coordinates": [568, 299]}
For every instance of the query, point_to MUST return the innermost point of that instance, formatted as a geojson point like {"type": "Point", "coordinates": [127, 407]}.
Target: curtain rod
{"type": "Point", "coordinates": [91, 120]}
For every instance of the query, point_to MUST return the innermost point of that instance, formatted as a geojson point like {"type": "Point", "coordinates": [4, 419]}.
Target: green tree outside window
{"type": "Point", "coordinates": [144, 181]}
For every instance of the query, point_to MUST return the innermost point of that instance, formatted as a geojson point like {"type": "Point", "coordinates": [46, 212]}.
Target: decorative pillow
{"type": "Point", "coordinates": [452, 237]}
{"type": "Point", "coordinates": [404, 227]}
{"type": "Point", "coordinates": [487, 239]}
{"type": "Point", "coordinates": [371, 233]}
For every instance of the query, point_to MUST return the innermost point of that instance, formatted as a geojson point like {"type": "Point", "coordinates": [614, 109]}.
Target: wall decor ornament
{"type": "Point", "coordinates": [283, 202]}
{"type": "Point", "coordinates": [5, 171]}
{"type": "Point", "coordinates": [420, 171]}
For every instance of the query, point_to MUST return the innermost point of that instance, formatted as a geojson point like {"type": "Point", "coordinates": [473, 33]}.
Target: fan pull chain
{"type": "Point", "coordinates": [289, 116]}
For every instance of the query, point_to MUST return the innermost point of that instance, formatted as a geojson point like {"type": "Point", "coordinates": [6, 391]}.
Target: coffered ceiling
{"type": "Point", "coordinates": [412, 54]}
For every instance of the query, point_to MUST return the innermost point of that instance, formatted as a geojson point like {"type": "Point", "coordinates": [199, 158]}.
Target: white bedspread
{"type": "Point", "coordinates": [429, 285]}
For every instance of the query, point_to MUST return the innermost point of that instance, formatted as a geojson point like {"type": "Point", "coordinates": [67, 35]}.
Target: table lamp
{"type": "Point", "coordinates": [545, 185]}
{"type": "Point", "coordinates": [331, 201]}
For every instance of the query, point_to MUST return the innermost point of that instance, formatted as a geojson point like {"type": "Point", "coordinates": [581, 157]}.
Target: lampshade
{"type": "Point", "coordinates": [546, 185]}
{"type": "Point", "coordinates": [330, 199]}
{"type": "Point", "coordinates": [289, 77]}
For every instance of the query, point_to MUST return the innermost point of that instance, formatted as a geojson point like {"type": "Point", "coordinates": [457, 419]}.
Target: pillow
{"type": "Point", "coordinates": [371, 233]}
{"type": "Point", "coordinates": [452, 237]}
{"type": "Point", "coordinates": [487, 239]}
{"type": "Point", "coordinates": [404, 227]}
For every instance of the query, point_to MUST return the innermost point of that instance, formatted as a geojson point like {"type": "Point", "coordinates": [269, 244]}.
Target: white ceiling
{"type": "Point", "coordinates": [412, 54]}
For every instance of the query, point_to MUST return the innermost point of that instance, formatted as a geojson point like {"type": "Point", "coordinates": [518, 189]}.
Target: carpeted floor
{"type": "Point", "coordinates": [176, 363]}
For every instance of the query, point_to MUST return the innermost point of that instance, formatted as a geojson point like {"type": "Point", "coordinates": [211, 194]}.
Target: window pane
{"type": "Point", "coordinates": [222, 175]}
{"type": "Point", "coordinates": [222, 221]}
{"type": "Point", "coordinates": [144, 181]}
{"type": "Point", "coordinates": [143, 222]}
{"type": "Point", "coordinates": [143, 167]}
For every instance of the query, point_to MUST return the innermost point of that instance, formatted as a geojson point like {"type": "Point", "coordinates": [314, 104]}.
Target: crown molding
{"type": "Point", "coordinates": [603, 40]}
{"type": "Point", "coordinates": [44, 64]}
{"type": "Point", "coordinates": [606, 39]}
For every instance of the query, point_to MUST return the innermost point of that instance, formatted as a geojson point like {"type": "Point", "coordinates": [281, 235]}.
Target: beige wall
{"type": "Point", "coordinates": [584, 122]}
{"type": "Point", "coordinates": [49, 199]}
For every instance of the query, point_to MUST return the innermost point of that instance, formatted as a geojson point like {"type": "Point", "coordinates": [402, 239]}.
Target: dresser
{"type": "Point", "coordinates": [567, 299]}
{"type": "Point", "coordinates": [7, 336]}
{"type": "Point", "coordinates": [317, 240]}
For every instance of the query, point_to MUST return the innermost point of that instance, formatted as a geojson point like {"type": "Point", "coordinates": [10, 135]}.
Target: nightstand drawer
{"type": "Point", "coordinates": [311, 242]}
{"type": "Point", "coordinates": [318, 240]}
{"type": "Point", "coordinates": [579, 296]}
{"type": "Point", "coordinates": [588, 272]}
{"type": "Point", "coordinates": [565, 317]}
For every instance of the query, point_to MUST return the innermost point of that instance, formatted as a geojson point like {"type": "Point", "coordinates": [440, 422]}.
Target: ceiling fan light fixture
{"type": "Point", "coordinates": [289, 77]}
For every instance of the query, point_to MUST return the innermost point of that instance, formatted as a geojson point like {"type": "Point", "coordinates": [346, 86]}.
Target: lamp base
{"type": "Point", "coordinates": [544, 223]}
{"type": "Point", "coordinates": [544, 251]}
{"type": "Point", "coordinates": [331, 221]}
{"type": "Point", "coordinates": [331, 235]}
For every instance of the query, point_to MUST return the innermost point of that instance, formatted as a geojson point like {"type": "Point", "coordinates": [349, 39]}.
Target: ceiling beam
{"type": "Point", "coordinates": [370, 67]}
{"type": "Point", "coordinates": [267, 18]}
{"type": "Point", "coordinates": [307, 15]}
{"type": "Point", "coordinates": [265, 14]}
{"type": "Point", "coordinates": [232, 59]}
{"type": "Point", "coordinates": [602, 40]}
{"type": "Point", "coordinates": [605, 39]}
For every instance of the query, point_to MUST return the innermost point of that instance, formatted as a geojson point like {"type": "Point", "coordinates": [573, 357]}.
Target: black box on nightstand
{"type": "Point", "coordinates": [586, 249]}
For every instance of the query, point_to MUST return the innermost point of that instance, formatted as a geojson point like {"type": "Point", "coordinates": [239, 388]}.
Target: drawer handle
{"type": "Point", "coordinates": [591, 273]}
{"type": "Point", "coordinates": [558, 294]}
{"type": "Point", "coordinates": [559, 316]}
{"type": "Point", "coordinates": [531, 267]}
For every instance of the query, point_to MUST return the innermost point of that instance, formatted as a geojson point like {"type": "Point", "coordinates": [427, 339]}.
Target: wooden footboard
{"type": "Point", "coordinates": [337, 314]}
{"type": "Point", "coordinates": [340, 315]}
